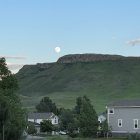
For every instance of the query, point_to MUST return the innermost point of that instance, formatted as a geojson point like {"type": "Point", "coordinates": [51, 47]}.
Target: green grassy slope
{"type": "Point", "coordinates": [101, 81]}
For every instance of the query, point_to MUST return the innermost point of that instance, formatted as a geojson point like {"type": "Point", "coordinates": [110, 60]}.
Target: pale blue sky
{"type": "Point", "coordinates": [33, 28]}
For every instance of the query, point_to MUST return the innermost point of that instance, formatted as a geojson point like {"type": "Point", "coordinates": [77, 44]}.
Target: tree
{"type": "Point", "coordinates": [46, 105]}
{"type": "Point", "coordinates": [68, 122]}
{"type": "Point", "coordinates": [104, 128]}
{"type": "Point", "coordinates": [46, 126]}
{"type": "Point", "coordinates": [78, 106]}
{"type": "Point", "coordinates": [4, 72]}
{"type": "Point", "coordinates": [73, 129]}
{"type": "Point", "coordinates": [31, 129]}
{"type": "Point", "coordinates": [66, 118]}
{"type": "Point", "coordinates": [12, 116]}
{"type": "Point", "coordinates": [16, 122]}
{"type": "Point", "coordinates": [3, 114]}
{"type": "Point", "coordinates": [88, 121]}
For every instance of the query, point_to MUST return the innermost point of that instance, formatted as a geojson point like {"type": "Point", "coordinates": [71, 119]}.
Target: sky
{"type": "Point", "coordinates": [30, 30]}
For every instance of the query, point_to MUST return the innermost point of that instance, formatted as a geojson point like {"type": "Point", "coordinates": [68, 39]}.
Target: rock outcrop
{"type": "Point", "coordinates": [73, 58]}
{"type": "Point", "coordinates": [35, 67]}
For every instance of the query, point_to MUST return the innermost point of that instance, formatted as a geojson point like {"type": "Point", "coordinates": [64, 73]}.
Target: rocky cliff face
{"type": "Point", "coordinates": [35, 68]}
{"type": "Point", "coordinates": [73, 58]}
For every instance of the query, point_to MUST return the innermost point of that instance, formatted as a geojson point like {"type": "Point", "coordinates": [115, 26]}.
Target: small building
{"type": "Point", "coordinates": [102, 117]}
{"type": "Point", "coordinates": [39, 117]}
{"type": "Point", "coordinates": [124, 117]}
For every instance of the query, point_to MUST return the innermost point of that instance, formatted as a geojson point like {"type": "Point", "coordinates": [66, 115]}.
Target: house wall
{"type": "Point", "coordinates": [31, 120]}
{"type": "Point", "coordinates": [54, 120]}
{"type": "Point", "coordinates": [35, 120]}
{"type": "Point", "coordinates": [39, 121]}
{"type": "Point", "coordinates": [127, 115]}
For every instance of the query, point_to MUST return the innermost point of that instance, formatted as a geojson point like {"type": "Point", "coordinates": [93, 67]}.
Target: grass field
{"type": "Point", "coordinates": [101, 81]}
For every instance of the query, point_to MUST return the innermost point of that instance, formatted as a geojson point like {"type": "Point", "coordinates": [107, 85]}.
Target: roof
{"type": "Point", "coordinates": [34, 123]}
{"type": "Point", "coordinates": [125, 103]}
{"type": "Point", "coordinates": [103, 114]}
{"type": "Point", "coordinates": [47, 115]}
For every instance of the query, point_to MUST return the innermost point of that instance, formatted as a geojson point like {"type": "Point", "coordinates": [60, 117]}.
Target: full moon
{"type": "Point", "coordinates": [57, 49]}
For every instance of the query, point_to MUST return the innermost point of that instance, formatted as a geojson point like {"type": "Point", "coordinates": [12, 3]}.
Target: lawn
{"type": "Point", "coordinates": [68, 138]}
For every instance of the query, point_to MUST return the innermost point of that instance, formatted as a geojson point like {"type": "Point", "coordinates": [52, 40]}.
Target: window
{"type": "Point", "coordinates": [55, 120]}
{"type": "Point", "coordinates": [111, 111]}
{"type": "Point", "coordinates": [135, 123]}
{"type": "Point", "coordinates": [119, 122]}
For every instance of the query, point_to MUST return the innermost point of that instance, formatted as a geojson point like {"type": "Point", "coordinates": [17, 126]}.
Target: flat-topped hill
{"type": "Point", "coordinates": [102, 78]}
{"type": "Point", "coordinates": [74, 58]}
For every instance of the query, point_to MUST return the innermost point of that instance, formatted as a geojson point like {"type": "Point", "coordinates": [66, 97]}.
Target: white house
{"type": "Point", "coordinates": [102, 117]}
{"type": "Point", "coordinates": [39, 117]}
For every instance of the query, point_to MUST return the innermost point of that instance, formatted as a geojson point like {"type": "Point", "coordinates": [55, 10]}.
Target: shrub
{"type": "Point", "coordinates": [31, 129]}
{"type": "Point", "coordinates": [46, 126]}
{"type": "Point", "coordinates": [134, 136]}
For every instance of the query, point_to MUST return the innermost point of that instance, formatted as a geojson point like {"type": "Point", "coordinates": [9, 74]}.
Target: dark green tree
{"type": "Point", "coordinates": [68, 122]}
{"type": "Point", "coordinates": [73, 129]}
{"type": "Point", "coordinates": [4, 113]}
{"type": "Point", "coordinates": [12, 116]}
{"type": "Point", "coordinates": [46, 105]}
{"type": "Point", "coordinates": [31, 129]}
{"type": "Point", "coordinates": [88, 121]}
{"type": "Point", "coordinates": [78, 106]}
{"type": "Point", "coordinates": [104, 126]}
{"type": "Point", "coordinates": [66, 118]}
{"type": "Point", "coordinates": [46, 126]}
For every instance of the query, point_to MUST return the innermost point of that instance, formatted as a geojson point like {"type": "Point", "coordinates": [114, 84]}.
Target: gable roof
{"type": "Point", "coordinates": [102, 114]}
{"type": "Point", "coordinates": [47, 115]}
{"type": "Point", "coordinates": [33, 123]}
{"type": "Point", "coordinates": [125, 103]}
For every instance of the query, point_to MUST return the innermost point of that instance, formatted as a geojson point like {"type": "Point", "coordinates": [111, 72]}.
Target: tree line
{"type": "Point", "coordinates": [12, 116]}
{"type": "Point", "coordinates": [82, 120]}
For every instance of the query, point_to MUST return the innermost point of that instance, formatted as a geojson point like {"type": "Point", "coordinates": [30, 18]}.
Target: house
{"type": "Point", "coordinates": [124, 117]}
{"type": "Point", "coordinates": [39, 117]}
{"type": "Point", "coordinates": [102, 117]}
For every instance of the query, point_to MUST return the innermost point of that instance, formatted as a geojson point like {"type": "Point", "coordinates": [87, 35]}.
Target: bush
{"type": "Point", "coordinates": [73, 134]}
{"type": "Point", "coordinates": [31, 129]}
{"type": "Point", "coordinates": [46, 126]}
{"type": "Point", "coordinates": [135, 136]}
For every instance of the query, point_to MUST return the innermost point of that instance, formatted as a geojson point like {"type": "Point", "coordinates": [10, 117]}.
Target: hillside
{"type": "Point", "coordinates": [101, 77]}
